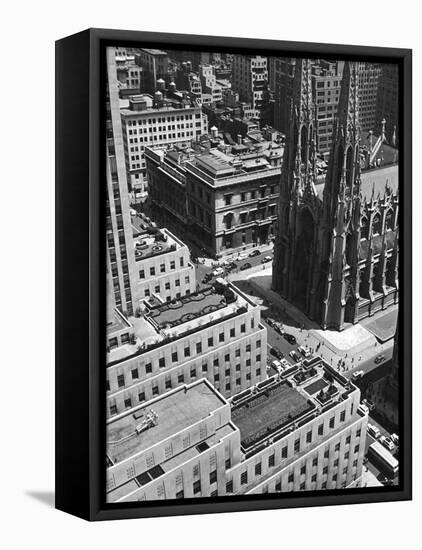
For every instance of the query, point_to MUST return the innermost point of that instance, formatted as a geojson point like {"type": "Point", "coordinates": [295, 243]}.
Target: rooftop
{"type": "Point", "coordinates": [175, 411]}
{"type": "Point", "coordinates": [153, 243]}
{"type": "Point", "coordinates": [277, 405]}
{"type": "Point", "coordinates": [117, 323]}
{"type": "Point", "coordinates": [268, 410]}
{"type": "Point", "coordinates": [172, 320]}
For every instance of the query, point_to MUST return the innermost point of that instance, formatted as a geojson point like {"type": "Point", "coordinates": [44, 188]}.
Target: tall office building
{"type": "Point", "coordinates": [388, 102]}
{"type": "Point", "coordinates": [121, 269]}
{"type": "Point", "coordinates": [250, 79]}
{"type": "Point", "coordinates": [301, 431]}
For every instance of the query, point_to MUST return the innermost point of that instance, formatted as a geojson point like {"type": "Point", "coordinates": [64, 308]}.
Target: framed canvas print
{"type": "Point", "coordinates": [233, 274]}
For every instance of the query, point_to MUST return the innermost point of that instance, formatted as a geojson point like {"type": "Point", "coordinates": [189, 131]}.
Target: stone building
{"type": "Point", "coordinates": [301, 431]}
{"type": "Point", "coordinates": [336, 254]}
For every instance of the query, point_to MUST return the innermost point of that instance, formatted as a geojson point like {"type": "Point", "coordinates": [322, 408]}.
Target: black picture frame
{"type": "Point", "coordinates": [80, 281]}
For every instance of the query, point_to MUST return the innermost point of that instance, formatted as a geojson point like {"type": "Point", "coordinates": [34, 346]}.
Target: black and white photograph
{"type": "Point", "coordinates": [252, 274]}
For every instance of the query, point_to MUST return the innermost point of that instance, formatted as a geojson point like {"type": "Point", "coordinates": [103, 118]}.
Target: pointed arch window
{"type": "Point", "coordinates": [349, 167]}
{"type": "Point", "coordinates": [389, 220]}
{"type": "Point", "coordinates": [364, 228]}
{"type": "Point", "coordinates": [376, 225]}
{"type": "Point", "coordinates": [303, 144]}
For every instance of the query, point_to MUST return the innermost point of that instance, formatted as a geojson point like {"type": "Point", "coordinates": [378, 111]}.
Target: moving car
{"type": "Point", "coordinates": [379, 359]}
{"type": "Point", "coordinates": [363, 408]}
{"type": "Point", "coordinates": [266, 259]}
{"type": "Point", "coordinates": [271, 322]}
{"type": "Point", "coordinates": [306, 352]}
{"type": "Point", "coordinates": [277, 353]}
{"type": "Point", "coordinates": [255, 252]}
{"type": "Point", "coordinates": [357, 375]}
{"type": "Point", "coordinates": [386, 441]}
{"type": "Point", "coordinates": [395, 438]}
{"type": "Point", "coordinates": [294, 355]}
{"type": "Point", "coordinates": [373, 430]}
{"type": "Point", "coordinates": [290, 338]}
{"type": "Point", "coordinates": [277, 366]}
{"type": "Point", "coordinates": [217, 272]}
{"type": "Point", "coordinates": [247, 265]}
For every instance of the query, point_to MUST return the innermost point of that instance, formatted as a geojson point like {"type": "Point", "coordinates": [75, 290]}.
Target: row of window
{"type": "Point", "coordinates": [162, 269]}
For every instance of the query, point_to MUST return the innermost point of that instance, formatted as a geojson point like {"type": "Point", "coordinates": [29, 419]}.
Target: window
{"type": "Point", "coordinates": [358, 433]}
{"type": "Point", "coordinates": [210, 342]}
{"type": "Point", "coordinates": [107, 385]}
{"type": "Point", "coordinates": [302, 486]}
{"type": "Point", "coordinates": [168, 384]}
{"type": "Point", "coordinates": [337, 447]}
{"type": "Point", "coordinates": [198, 347]}
{"type": "Point", "coordinates": [336, 463]}
{"type": "Point", "coordinates": [142, 274]}
{"type": "Point", "coordinates": [315, 461]}
{"type": "Point", "coordinates": [309, 437]}
{"type": "Point", "coordinates": [204, 367]}
{"type": "Point", "coordinates": [348, 439]}
{"type": "Point", "coordinates": [327, 453]}
{"type": "Point", "coordinates": [152, 270]}
{"type": "Point", "coordinates": [197, 487]}
{"type": "Point", "coordinates": [213, 476]}
{"type": "Point", "coordinates": [221, 337]}
{"type": "Point", "coordinates": [335, 477]}
{"type": "Point", "coordinates": [238, 367]}
{"type": "Point", "coordinates": [303, 470]}
{"type": "Point", "coordinates": [324, 485]}
{"type": "Point", "coordinates": [355, 463]}
{"type": "Point", "coordinates": [128, 402]}
{"type": "Point", "coordinates": [248, 348]}
{"type": "Point", "coordinates": [331, 424]}
{"type": "Point", "coordinates": [180, 494]}
{"type": "Point", "coordinates": [271, 461]}
{"type": "Point", "coordinates": [161, 362]}
{"type": "Point", "coordinates": [243, 328]}
{"type": "Point", "coordinates": [258, 469]}
{"type": "Point", "coordinates": [135, 374]}
{"type": "Point", "coordinates": [215, 362]}
{"type": "Point", "coordinates": [291, 478]}
{"type": "Point", "coordinates": [229, 486]}
{"type": "Point", "coordinates": [232, 333]}
{"type": "Point", "coordinates": [193, 373]}
{"type": "Point", "coordinates": [155, 390]}
{"type": "Point", "coordinates": [356, 448]}
{"type": "Point", "coordinates": [342, 416]}
{"type": "Point", "coordinates": [325, 470]}
{"type": "Point", "coordinates": [244, 478]}
{"type": "Point", "coordinates": [187, 351]}
{"type": "Point", "coordinates": [141, 396]}
{"type": "Point", "coordinates": [120, 380]}
{"type": "Point", "coordinates": [174, 356]}
{"type": "Point", "coordinates": [228, 463]}
{"type": "Point", "coordinates": [297, 445]}
{"type": "Point", "coordinates": [181, 378]}
{"type": "Point", "coordinates": [237, 353]}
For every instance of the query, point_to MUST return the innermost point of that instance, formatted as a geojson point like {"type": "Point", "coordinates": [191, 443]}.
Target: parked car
{"type": "Point", "coordinates": [306, 352]}
{"type": "Point", "coordinates": [232, 265]}
{"type": "Point", "coordinates": [266, 259]}
{"type": "Point", "coordinates": [395, 438]}
{"type": "Point", "coordinates": [363, 408]}
{"type": "Point", "coordinates": [278, 327]}
{"type": "Point", "coordinates": [379, 359]}
{"type": "Point", "coordinates": [247, 265]}
{"type": "Point", "coordinates": [284, 363]}
{"type": "Point", "coordinates": [357, 375]}
{"type": "Point", "coordinates": [295, 356]}
{"type": "Point", "coordinates": [369, 404]}
{"type": "Point", "coordinates": [373, 430]}
{"type": "Point", "coordinates": [277, 353]}
{"type": "Point", "coordinates": [255, 252]}
{"type": "Point", "coordinates": [290, 338]}
{"type": "Point", "coordinates": [270, 322]}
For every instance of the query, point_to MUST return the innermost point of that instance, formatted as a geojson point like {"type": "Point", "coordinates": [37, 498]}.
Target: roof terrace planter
{"type": "Point", "coordinates": [324, 397]}
{"type": "Point", "coordinates": [304, 375]}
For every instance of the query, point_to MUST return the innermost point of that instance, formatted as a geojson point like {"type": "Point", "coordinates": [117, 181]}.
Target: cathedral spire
{"type": "Point", "coordinates": [343, 175]}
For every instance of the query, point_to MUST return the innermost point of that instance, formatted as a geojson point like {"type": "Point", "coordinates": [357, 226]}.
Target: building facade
{"type": "Point", "coordinates": [214, 333]}
{"type": "Point", "coordinates": [336, 254]}
{"type": "Point", "coordinates": [388, 102]}
{"type": "Point", "coordinates": [167, 118]}
{"type": "Point", "coordinates": [250, 79]}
